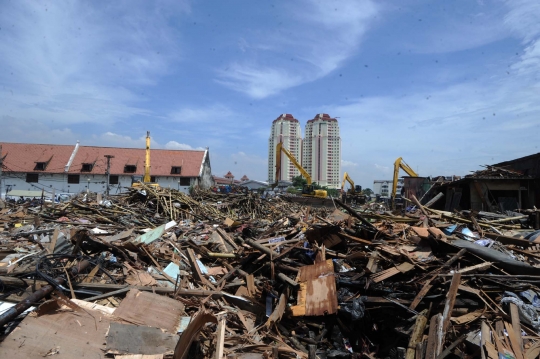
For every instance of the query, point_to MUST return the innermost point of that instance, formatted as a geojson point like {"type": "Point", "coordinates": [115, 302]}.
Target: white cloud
{"type": "Point", "coordinates": [315, 39]}
{"type": "Point", "coordinates": [70, 62]}
{"type": "Point", "coordinates": [346, 163]}
{"type": "Point", "coordinates": [173, 145]}
{"type": "Point", "coordinates": [117, 140]}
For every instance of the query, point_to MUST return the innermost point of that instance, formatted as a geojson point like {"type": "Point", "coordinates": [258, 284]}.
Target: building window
{"type": "Point", "coordinates": [176, 170]}
{"type": "Point", "coordinates": [130, 168]}
{"type": "Point", "coordinates": [40, 166]}
{"type": "Point", "coordinates": [87, 167]}
{"type": "Point", "coordinates": [153, 179]}
{"type": "Point", "coordinates": [32, 177]}
{"type": "Point", "coordinates": [74, 179]}
{"type": "Point", "coordinates": [185, 181]}
{"type": "Point", "coordinates": [113, 179]}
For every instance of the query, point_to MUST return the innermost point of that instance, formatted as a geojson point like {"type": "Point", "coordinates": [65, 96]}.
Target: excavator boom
{"type": "Point", "coordinates": [147, 177]}
{"type": "Point", "coordinates": [399, 163]}
{"type": "Point", "coordinates": [308, 189]}
{"type": "Point", "coordinates": [347, 178]}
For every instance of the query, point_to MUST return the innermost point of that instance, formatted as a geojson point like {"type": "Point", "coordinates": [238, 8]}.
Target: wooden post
{"type": "Point", "coordinates": [516, 324]}
{"type": "Point", "coordinates": [435, 337]}
{"type": "Point", "coordinates": [220, 339]}
{"type": "Point", "coordinates": [416, 335]}
{"type": "Point", "coordinates": [450, 300]}
{"type": "Point", "coordinates": [486, 338]}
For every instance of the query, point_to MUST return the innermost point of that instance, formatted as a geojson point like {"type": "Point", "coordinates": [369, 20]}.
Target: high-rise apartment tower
{"type": "Point", "coordinates": [321, 156]}
{"type": "Point", "coordinates": [285, 129]}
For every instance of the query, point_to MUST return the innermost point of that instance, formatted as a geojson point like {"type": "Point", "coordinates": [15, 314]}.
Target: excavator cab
{"type": "Point", "coordinates": [309, 191]}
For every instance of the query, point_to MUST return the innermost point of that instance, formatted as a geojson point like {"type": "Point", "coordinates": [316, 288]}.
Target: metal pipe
{"type": "Point", "coordinates": [38, 295]}
{"type": "Point", "coordinates": [26, 303]}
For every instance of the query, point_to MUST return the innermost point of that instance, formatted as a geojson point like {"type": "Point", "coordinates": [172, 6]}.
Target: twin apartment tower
{"type": "Point", "coordinates": [319, 152]}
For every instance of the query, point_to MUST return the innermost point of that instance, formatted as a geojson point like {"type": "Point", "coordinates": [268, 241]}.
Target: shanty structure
{"type": "Point", "coordinates": [72, 169]}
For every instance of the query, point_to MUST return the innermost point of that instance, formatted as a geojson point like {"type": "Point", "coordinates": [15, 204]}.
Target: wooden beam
{"type": "Point", "coordinates": [435, 337]}
{"type": "Point", "coordinates": [416, 336]}
{"type": "Point", "coordinates": [450, 300]}
{"type": "Point", "coordinates": [516, 324]}
{"type": "Point", "coordinates": [220, 339]}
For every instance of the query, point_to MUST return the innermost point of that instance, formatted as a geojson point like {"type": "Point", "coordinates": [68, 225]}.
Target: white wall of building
{"type": "Point", "coordinates": [321, 155]}
{"type": "Point", "coordinates": [287, 130]}
{"type": "Point", "coordinates": [96, 183]}
{"type": "Point", "coordinates": [384, 187]}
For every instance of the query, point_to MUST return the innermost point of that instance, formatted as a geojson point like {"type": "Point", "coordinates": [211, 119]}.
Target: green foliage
{"type": "Point", "coordinates": [332, 192]}
{"type": "Point", "coordinates": [367, 191]}
{"type": "Point", "coordinates": [293, 190]}
{"type": "Point", "coordinates": [299, 181]}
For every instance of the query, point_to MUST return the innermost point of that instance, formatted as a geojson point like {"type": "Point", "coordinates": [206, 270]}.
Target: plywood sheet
{"type": "Point", "coordinates": [317, 294]}
{"type": "Point", "coordinates": [321, 296]}
{"type": "Point", "coordinates": [133, 339]}
{"type": "Point", "coordinates": [72, 334]}
{"type": "Point", "coordinates": [153, 310]}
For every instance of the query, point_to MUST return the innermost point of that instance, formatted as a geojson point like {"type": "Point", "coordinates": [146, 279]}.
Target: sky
{"type": "Point", "coordinates": [448, 86]}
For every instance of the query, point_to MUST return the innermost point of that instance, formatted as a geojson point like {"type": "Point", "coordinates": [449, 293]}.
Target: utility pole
{"type": "Point", "coordinates": [108, 173]}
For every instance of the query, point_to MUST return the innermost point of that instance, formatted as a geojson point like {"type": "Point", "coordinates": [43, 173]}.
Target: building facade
{"type": "Point", "coordinates": [285, 129]}
{"type": "Point", "coordinates": [383, 188]}
{"type": "Point", "coordinates": [73, 169]}
{"type": "Point", "coordinates": [321, 154]}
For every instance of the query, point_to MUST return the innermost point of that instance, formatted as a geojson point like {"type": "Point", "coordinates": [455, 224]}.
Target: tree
{"type": "Point", "coordinates": [299, 181]}
{"type": "Point", "coordinates": [332, 192]}
{"type": "Point", "coordinates": [367, 191]}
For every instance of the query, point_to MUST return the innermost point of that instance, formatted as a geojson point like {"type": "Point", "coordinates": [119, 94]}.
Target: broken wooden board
{"type": "Point", "coordinates": [134, 339]}
{"type": "Point", "coordinates": [318, 287]}
{"type": "Point", "coordinates": [153, 310]}
{"type": "Point", "coordinates": [71, 334]}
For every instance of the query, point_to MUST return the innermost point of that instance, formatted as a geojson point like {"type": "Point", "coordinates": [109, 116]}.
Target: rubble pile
{"type": "Point", "coordinates": [155, 273]}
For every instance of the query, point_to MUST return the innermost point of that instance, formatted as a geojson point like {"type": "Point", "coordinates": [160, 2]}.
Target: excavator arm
{"type": "Point", "coordinates": [405, 167]}
{"type": "Point", "coordinates": [347, 178]}
{"type": "Point", "coordinates": [308, 189]}
{"type": "Point", "coordinates": [147, 177]}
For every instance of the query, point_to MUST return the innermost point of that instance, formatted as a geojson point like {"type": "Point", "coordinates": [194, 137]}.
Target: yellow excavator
{"type": "Point", "coordinates": [355, 192]}
{"type": "Point", "coordinates": [146, 179]}
{"type": "Point", "coordinates": [405, 167]}
{"type": "Point", "coordinates": [307, 190]}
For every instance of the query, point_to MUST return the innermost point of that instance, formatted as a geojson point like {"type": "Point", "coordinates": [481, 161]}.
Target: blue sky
{"type": "Point", "coordinates": [449, 86]}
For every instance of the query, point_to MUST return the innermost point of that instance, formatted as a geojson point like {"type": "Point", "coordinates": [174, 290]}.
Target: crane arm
{"type": "Point", "coordinates": [147, 177]}
{"type": "Point", "coordinates": [405, 167]}
{"type": "Point", "coordinates": [347, 178]}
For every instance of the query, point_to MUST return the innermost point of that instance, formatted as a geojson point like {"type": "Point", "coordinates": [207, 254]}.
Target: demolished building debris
{"type": "Point", "coordinates": [155, 273]}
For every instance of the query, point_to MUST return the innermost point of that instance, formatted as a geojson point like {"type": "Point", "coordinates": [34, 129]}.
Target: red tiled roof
{"type": "Point", "coordinates": [22, 157]}
{"type": "Point", "coordinates": [224, 181]}
{"type": "Point", "coordinates": [322, 116]}
{"type": "Point", "coordinates": [229, 175]}
{"type": "Point", "coordinates": [286, 117]}
{"type": "Point", "coordinates": [244, 178]}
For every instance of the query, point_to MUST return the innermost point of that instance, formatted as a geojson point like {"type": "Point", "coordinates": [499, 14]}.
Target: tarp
{"type": "Point", "coordinates": [502, 260]}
